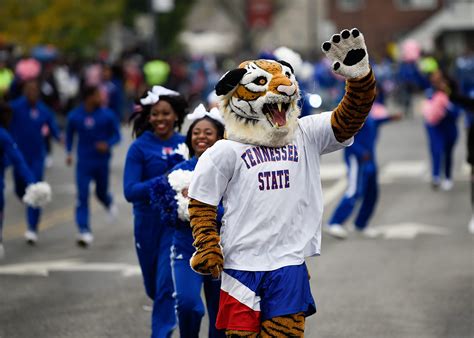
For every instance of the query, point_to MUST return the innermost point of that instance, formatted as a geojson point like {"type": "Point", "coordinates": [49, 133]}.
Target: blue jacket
{"type": "Point", "coordinates": [365, 141]}
{"type": "Point", "coordinates": [26, 127]}
{"type": "Point", "coordinates": [100, 125]}
{"type": "Point", "coordinates": [147, 158]}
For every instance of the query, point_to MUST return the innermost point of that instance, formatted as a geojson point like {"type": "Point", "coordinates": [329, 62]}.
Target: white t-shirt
{"type": "Point", "coordinates": [272, 196]}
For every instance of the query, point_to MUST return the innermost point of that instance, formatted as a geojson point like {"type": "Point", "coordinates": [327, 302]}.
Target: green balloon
{"type": "Point", "coordinates": [156, 72]}
{"type": "Point", "coordinates": [428, 65]}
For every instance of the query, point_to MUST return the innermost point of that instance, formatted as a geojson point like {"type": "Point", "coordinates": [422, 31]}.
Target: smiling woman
{"type": "Point", "coordinates": [155, 151]}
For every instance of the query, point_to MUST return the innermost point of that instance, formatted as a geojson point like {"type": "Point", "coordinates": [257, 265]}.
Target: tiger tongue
{"type": "Point", "coordinates": [279, 117]}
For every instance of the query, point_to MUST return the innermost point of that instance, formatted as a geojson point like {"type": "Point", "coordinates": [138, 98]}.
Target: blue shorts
{"type": "Point", "coordinates": [248, 298]}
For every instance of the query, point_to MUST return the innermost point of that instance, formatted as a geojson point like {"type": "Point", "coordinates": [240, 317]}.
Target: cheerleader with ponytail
{"type": "Point", "coordinates": [157, 148]}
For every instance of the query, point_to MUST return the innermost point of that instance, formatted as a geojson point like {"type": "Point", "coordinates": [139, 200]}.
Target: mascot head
{"type": "Point", "coordinates": [259, 102]}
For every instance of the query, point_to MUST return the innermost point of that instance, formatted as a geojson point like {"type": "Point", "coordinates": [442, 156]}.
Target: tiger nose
{"type": "Point", "coordinates": [288, 90]}
{"type": "Point", "coordinates": [284, 85]}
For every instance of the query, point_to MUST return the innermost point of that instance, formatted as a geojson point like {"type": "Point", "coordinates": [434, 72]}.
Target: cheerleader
{"type": "Point", "coordinates": [30, 116]}
{"type": "Point", "coordinates": [204, 131]}
{"type": "Point", "coordinates": [158, 148]}
{"type": "Point", "coordinates": [9, 151]}
{"type": "Point", "coordinates": [440, 116]}
{"type": "Point", "coordinates": [362, 172]}
{"type": "Point", "coordinates": [98, 131]}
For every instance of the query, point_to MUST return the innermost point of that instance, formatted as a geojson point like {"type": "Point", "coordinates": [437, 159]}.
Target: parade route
{"type": "Point", "coordinates": [415, 279]}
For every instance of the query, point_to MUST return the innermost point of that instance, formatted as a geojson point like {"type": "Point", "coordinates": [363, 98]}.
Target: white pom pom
{"type": "Point", "coordinates": [183, 151]}
{"type": "Point", "coordinates": [179, 180]}
{"type": "Point", "coordinates": [37, 194]}
{"type": "Point", "coordinates": [183, 203]}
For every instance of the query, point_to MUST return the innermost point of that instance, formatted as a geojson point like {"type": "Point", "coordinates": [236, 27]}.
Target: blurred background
{"type": "Point", "coordinates": [188, 44]}
{"type": "Point", "coordinates": [415, 280]}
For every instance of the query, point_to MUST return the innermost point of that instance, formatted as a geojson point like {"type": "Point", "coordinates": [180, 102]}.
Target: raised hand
{"type": "Point", "coordinates": [348, 54]}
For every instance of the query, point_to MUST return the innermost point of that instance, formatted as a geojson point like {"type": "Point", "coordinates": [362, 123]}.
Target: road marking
{"type": "Point", "coordinates": [402, 169]}
{"type": "Point", "coordinates": [407, 230]}
{"type": "Point", "coordinates": [43, 269]}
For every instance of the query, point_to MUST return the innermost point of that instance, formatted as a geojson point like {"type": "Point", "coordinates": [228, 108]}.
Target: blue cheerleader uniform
{"type": "Point", "coordinates": [26, 129]}
{"type": "Point", "coordinates": [149, 157]}
{"type": "Point", "coordinates": [92, 165]}
{"type": "Point", "coordinates": [361, 163]}
{"type": "Point", "coordinates": [9, 151]}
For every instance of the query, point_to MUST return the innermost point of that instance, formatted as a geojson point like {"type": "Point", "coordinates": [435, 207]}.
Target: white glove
{"type": "Point", "coordinates": [37, 194]}
{"type": "Point", "coordinates": [348, 54]}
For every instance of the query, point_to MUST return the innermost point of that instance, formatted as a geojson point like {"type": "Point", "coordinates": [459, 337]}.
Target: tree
{"type": "Point", "coordinates": [69, 25]}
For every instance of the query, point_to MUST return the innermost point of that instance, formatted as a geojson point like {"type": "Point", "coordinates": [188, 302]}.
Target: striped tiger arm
{"type": "Point", "coordinates": [208, 257]}
{"type": "Point", "coordinates": [350, 114]}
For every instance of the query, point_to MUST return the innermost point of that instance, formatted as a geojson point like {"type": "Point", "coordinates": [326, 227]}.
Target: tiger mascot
{"type": "Point", "coordinates": [266, 172]}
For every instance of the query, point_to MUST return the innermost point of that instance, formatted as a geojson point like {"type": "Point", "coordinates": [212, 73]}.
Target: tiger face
{"type": "Point", "coordinates": [259, 102]}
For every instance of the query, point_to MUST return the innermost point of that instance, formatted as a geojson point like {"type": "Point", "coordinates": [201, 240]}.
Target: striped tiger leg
{"type": "Point", "coordinates": [284, 326]}
{"type": "Point", "coordinates": [350, 114]}
{"type": "Point", "coordinates": [239, 334]}
{"type": "Point", "coordinates": [208, 257]}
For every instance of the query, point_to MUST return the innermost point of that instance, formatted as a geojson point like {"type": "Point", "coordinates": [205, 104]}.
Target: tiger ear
{"type": "Point", "coordinates": [283, 62]}
{"type": "Point", "coordinates": [229, 80]}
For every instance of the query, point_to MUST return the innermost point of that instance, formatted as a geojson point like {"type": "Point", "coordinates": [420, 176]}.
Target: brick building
{"type": "Point", "coordinates": [386, 20]}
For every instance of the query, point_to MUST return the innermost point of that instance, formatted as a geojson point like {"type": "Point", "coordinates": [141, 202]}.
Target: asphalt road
{"type": "Point", "coordinates": [415, 280]}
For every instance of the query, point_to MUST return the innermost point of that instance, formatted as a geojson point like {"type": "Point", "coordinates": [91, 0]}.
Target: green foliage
{"type": "Point", "coordinates": [70, 25]}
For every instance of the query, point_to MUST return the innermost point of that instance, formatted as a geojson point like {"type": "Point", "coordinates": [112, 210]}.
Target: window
{"type": "Point", "coordinates": [415, 4]}
{"type": "Point", "coordinates": [350, 5]}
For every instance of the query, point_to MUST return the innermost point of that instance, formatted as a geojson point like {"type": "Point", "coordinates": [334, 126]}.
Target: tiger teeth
{"type": "Point", "coordinates": [279, 106]}
{"type": "Point", "coordinates": [270, 119]}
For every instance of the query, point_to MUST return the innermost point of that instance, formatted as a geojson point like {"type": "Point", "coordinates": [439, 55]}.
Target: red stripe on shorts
{"type": "Point", "coordinates": [233, 315]}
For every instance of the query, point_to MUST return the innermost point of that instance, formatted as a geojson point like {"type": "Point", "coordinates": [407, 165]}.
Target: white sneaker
{"type": "Point", "coordinates": [31, 237]}
{"type": "Point", "coordinates": [447, 185]}
{"type": "Point", "coordinates": [471, 225]}
{"type": "Point", "coordinates": [112, 213]}
{"type": "Point", "coordinates": [335, 230]}
{"type": "Point", "coordinates": [2, 251]}
{"type": "Point", "coordinates": [85, 239]}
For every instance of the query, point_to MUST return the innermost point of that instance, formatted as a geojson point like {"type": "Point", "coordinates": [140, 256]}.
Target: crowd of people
{"type": "Point", "coordinates": [83, 106]}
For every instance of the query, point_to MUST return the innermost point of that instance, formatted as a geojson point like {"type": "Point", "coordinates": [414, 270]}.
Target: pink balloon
{"type": "Point", "coordinates": [411, 51]}
{"type": "Point", "coordinates": [27, 69]}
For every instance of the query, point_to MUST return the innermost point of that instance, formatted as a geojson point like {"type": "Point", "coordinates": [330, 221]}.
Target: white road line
{"type": "Point", "coordinates": [402, 169]}
{"type": "Point", "coordinates": [44, 268]}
